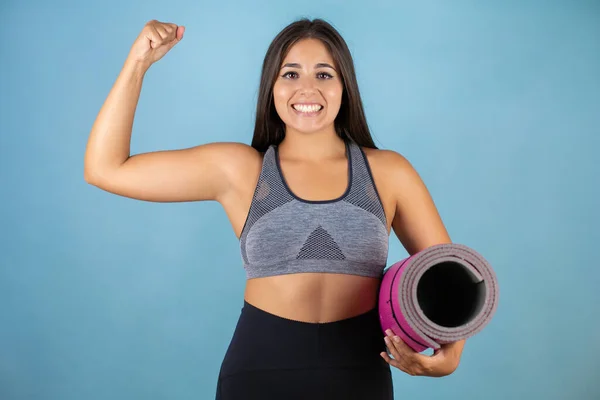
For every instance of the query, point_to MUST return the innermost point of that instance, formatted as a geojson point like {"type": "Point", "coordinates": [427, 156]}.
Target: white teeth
{"type": "Point", "coordinates": [307, 108]}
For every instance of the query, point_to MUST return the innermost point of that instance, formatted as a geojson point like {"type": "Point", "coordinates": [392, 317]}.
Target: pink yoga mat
{"type": "Point", "coordinates": [443, 294]}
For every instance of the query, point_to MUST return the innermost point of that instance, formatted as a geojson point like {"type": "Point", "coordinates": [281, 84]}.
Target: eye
{"type": "Point", "coordinates": [324, 75]}
{"type": "Point", "coordinates": [287, 75]}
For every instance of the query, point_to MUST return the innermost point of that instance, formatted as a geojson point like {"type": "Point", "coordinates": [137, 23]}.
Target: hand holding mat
{"type": "Point", "coordinates": [443, 294]}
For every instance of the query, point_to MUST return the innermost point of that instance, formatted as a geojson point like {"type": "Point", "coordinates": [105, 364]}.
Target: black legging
{"type": "Point", "coordinates": [270, 357]}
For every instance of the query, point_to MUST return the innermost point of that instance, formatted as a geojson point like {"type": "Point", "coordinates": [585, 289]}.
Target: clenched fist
{"type": "Point", "coordinates": [155, 40]}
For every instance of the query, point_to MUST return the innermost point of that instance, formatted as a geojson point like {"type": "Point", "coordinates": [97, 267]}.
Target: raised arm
{"type": "Point", "coordinates": [204, 172]}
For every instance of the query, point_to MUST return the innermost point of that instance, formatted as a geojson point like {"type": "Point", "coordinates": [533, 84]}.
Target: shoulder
{"type": "Point", "coordinates": [233, 149]}
{"type": "Point", "coordinates": [394, 172]}
{"type": "Point", "coordinates": [230, 164]}
{"type": "Point", "coordinates": [391, 164]}
{"type": "Point", "coordinates": [232, 156]}
{"type": "Point", "coordinates": [242, 165]}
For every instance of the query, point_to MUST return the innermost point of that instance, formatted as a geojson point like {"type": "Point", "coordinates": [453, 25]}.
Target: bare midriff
{"type": "Point", "coordinates": [313, 297]}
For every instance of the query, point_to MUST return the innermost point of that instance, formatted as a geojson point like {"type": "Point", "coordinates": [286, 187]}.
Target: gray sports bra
{"type": "Point", "coordinates": [284, 234]}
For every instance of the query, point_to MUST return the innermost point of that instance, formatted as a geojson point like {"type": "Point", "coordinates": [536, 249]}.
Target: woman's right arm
{"type": "Point", "coordinates": [204, 172]}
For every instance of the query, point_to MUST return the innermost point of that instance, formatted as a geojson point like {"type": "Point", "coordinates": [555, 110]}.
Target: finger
{"type": "Point", "coordinates": [154, 37]}
{"type": "Point", "coordinates": [176, 39]}
{"type": "Point", "coordinates": [409, 353]}
{"type": "Point", "coordinates": [401, 361]}
{"type": "Point", "coordinates": [389, 360]}
{"type": "Point", "coordinates": [172, 36]}
{"type": "Point", "coordinates": [409, 359]}
{"type": "Point", "coordinates": [392, 348]}
{"type": "Point", "coordinates": [172, 30]}
{"type": "Point", "coordinates": [164, 33]}
{"type": "Point", "coordinates": [179, 32]}
{"type": "Point", "coordinates": [399, 346]}
{"type": "Point", "coordinates": [396, 363]}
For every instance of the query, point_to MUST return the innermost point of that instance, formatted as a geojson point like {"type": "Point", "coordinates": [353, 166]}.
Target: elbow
{"type": "Point", "coordinates": [90, 174]}
{"type": "Point", "coordinates": [89, 171]}
{"type": "Point", "coordinates": [93, 174]}
{"type": "Point", "coordinates": [99, 176]}
{"type": "Point", "coordinates": [90, 177]}
{"type": "Point", "coordinates": [99, 172]}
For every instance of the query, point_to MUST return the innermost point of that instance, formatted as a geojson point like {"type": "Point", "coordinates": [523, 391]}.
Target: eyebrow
{"type": "Point", "coordinates": [318, 65]}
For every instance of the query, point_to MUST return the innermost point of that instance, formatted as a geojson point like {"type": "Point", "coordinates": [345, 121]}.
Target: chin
{"type": "Point", "coordinates": [308, 130]}
{"type": "Point", "coordinates": [306, 127]}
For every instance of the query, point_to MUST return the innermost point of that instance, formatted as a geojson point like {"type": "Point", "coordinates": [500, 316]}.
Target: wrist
{"type": "Point", "coordinates": [136, 68]}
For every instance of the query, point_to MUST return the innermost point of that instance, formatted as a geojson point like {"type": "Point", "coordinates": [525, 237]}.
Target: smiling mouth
{"type": "Point", "coordinates": [307, 109]}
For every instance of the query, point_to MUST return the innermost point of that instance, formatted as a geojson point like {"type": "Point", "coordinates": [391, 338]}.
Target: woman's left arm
{"type": "Point", "coordinates": [418, 225]}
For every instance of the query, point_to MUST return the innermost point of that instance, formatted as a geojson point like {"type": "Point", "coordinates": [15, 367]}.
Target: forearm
{"type": "Point", "coordinates": [109, 142]}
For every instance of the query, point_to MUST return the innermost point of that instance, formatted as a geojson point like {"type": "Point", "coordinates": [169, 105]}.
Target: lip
{"type": "Point", "coordinates": [308, 104]}
{"type": "Point", "coordinates": [304, 114]}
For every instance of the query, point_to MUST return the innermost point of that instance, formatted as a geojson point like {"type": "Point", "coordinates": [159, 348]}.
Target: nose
{"type": "Point", "coordinates": [307, 88]}
{"type": "Point", "coordinates": [307, 92]}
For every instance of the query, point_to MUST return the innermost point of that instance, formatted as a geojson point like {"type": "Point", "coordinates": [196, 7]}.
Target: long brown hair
{"type": "Point", "coordinates": [350, 123]}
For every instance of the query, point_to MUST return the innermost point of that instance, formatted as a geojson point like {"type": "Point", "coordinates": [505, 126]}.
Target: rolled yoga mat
{"type": "Point", "coordinates": [444, 293]}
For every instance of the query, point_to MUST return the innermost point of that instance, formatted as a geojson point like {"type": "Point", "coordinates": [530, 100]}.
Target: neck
{"type": "Point", "coordinates": [312, 146]}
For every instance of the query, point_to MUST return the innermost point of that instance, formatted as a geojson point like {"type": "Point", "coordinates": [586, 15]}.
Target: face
{"type": "Point", "coordinates": [308, 90]}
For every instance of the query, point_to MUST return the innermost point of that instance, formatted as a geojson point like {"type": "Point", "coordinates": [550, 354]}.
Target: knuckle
{"type": "Point", "coordinates": [413, 370]}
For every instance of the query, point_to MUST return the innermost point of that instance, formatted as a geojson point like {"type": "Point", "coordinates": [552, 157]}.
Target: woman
{"type": "Point", "coordinates": [312, 202]}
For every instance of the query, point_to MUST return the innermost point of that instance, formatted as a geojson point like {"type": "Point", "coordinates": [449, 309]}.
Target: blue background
{"type": "Point", "coordinates": [497, 105]}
